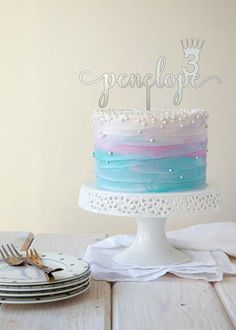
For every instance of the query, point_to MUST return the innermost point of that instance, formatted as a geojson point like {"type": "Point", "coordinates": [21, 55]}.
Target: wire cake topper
{"type": "Point", "coordinates": [189, 76]}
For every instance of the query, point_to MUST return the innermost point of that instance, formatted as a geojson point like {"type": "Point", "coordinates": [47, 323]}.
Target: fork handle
{"type": "Point", "coordinates": [46, 269]}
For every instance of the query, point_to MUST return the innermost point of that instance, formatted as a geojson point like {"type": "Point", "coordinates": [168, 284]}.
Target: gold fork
{"type": "Point", "coordinates": [36, 260]}
{"type": "Point", "coordinates": [13, 257]}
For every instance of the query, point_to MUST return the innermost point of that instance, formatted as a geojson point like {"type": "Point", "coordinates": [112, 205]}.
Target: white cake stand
{"type": "Point", "coordinates": [150, 247]}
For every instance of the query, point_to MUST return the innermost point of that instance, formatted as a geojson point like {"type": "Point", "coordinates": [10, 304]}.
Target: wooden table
{"type": "Point", "coordinates": [167, 303]}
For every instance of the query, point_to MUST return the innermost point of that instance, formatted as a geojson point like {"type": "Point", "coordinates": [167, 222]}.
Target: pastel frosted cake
{"type": "Point", "coordinates": [150, 151]}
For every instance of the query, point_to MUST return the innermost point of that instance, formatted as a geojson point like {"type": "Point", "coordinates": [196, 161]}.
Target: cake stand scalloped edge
{"type": "Point", "coordinates": [149, 204]}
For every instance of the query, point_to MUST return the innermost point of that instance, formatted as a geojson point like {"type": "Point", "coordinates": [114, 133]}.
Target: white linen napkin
{"type": "Point", "coordinates": [208, 245]}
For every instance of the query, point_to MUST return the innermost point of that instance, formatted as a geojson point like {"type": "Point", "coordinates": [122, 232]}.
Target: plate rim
{"type": "Point", "coordinates": [24, 302]}
{"type": "Point", "coordinates": [45, 282]}
{"type": "Point", "coordinates": [44, 294]}
{"type": "Point", "coordinates": [44, 286]}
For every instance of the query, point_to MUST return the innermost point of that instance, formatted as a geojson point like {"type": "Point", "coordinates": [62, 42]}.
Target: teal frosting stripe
{"type": "Point", "coordinates": [150, 187]}
{"type": "Point", "coordinates": [129, 176]}
{"type": "Point", "coordinates": [174, 164]}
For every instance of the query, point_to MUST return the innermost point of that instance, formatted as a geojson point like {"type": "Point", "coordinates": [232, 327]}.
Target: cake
{"type": "Point", "coordinates": [150, 151]}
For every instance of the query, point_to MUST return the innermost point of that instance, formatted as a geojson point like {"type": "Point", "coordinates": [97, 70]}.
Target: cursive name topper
{"type": "Point", "coordinates": [189, 75]}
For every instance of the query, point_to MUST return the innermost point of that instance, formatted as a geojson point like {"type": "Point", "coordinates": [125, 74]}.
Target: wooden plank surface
{"type": "Point", "coordinates": [226, 290]}
{"type": "Point", "coordinates": [20, 239]}
{"type": "Point", "coordinates": [90, 310]}
{"type": "Point", "coordinates": [166, 304]}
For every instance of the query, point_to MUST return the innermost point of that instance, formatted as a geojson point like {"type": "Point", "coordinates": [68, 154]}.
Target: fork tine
{"type": "Point", "coordinates": [36, 253]}
{"type": "Point", "coordinates": [4, 258]}
{"type": "Point", "coordinates": [9, 256]}
{"type": "Point", "coordinates": [5, 251]}
{"type": "Point", "coordinates": [31, 253]}
{"type": "Point", "coordinates": [19, 255]}
{"type": "Point", "coordinates": [11, 252]}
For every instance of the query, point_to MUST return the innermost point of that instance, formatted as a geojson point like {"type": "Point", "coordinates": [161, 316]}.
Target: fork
{"type": "Point", "coordinates": [36, 260]}
{"type": "Point", "coordinates": [13, 258]}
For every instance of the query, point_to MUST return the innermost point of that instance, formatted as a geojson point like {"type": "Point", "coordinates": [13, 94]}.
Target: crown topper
{"type": "Point", "coordinates": [192, 47]}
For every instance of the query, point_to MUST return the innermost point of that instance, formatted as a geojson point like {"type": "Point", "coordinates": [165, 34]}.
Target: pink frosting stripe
{"type": "Point", "coordinates": [149, 150]}
{"type": "Point", "coordinates": [199, 153]}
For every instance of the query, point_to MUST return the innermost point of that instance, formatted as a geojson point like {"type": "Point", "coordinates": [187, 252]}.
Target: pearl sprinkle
{"type": "Point", "coordinates": [161, 117]}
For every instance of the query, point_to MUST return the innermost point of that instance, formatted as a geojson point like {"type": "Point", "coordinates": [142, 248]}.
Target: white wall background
{"type": "Point", "coordinates": [45, 134]}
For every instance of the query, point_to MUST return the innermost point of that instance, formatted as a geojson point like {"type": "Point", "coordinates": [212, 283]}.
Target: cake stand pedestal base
{"type": "Point", "coordinates": [151, 247]}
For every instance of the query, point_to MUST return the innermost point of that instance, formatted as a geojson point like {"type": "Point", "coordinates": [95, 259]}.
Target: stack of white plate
{"type": "Point", "coordinates": [28, 285]}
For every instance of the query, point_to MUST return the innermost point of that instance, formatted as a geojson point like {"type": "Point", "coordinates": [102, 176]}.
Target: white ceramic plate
{"type": "Point", "coordinates": [48, 286]}
{"type": "Point", "coordinates": [30, 275]}
{"type": "Point", "coordinates": [42, 293]}
{"type": "Point", "coordinates": [45, 299]}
